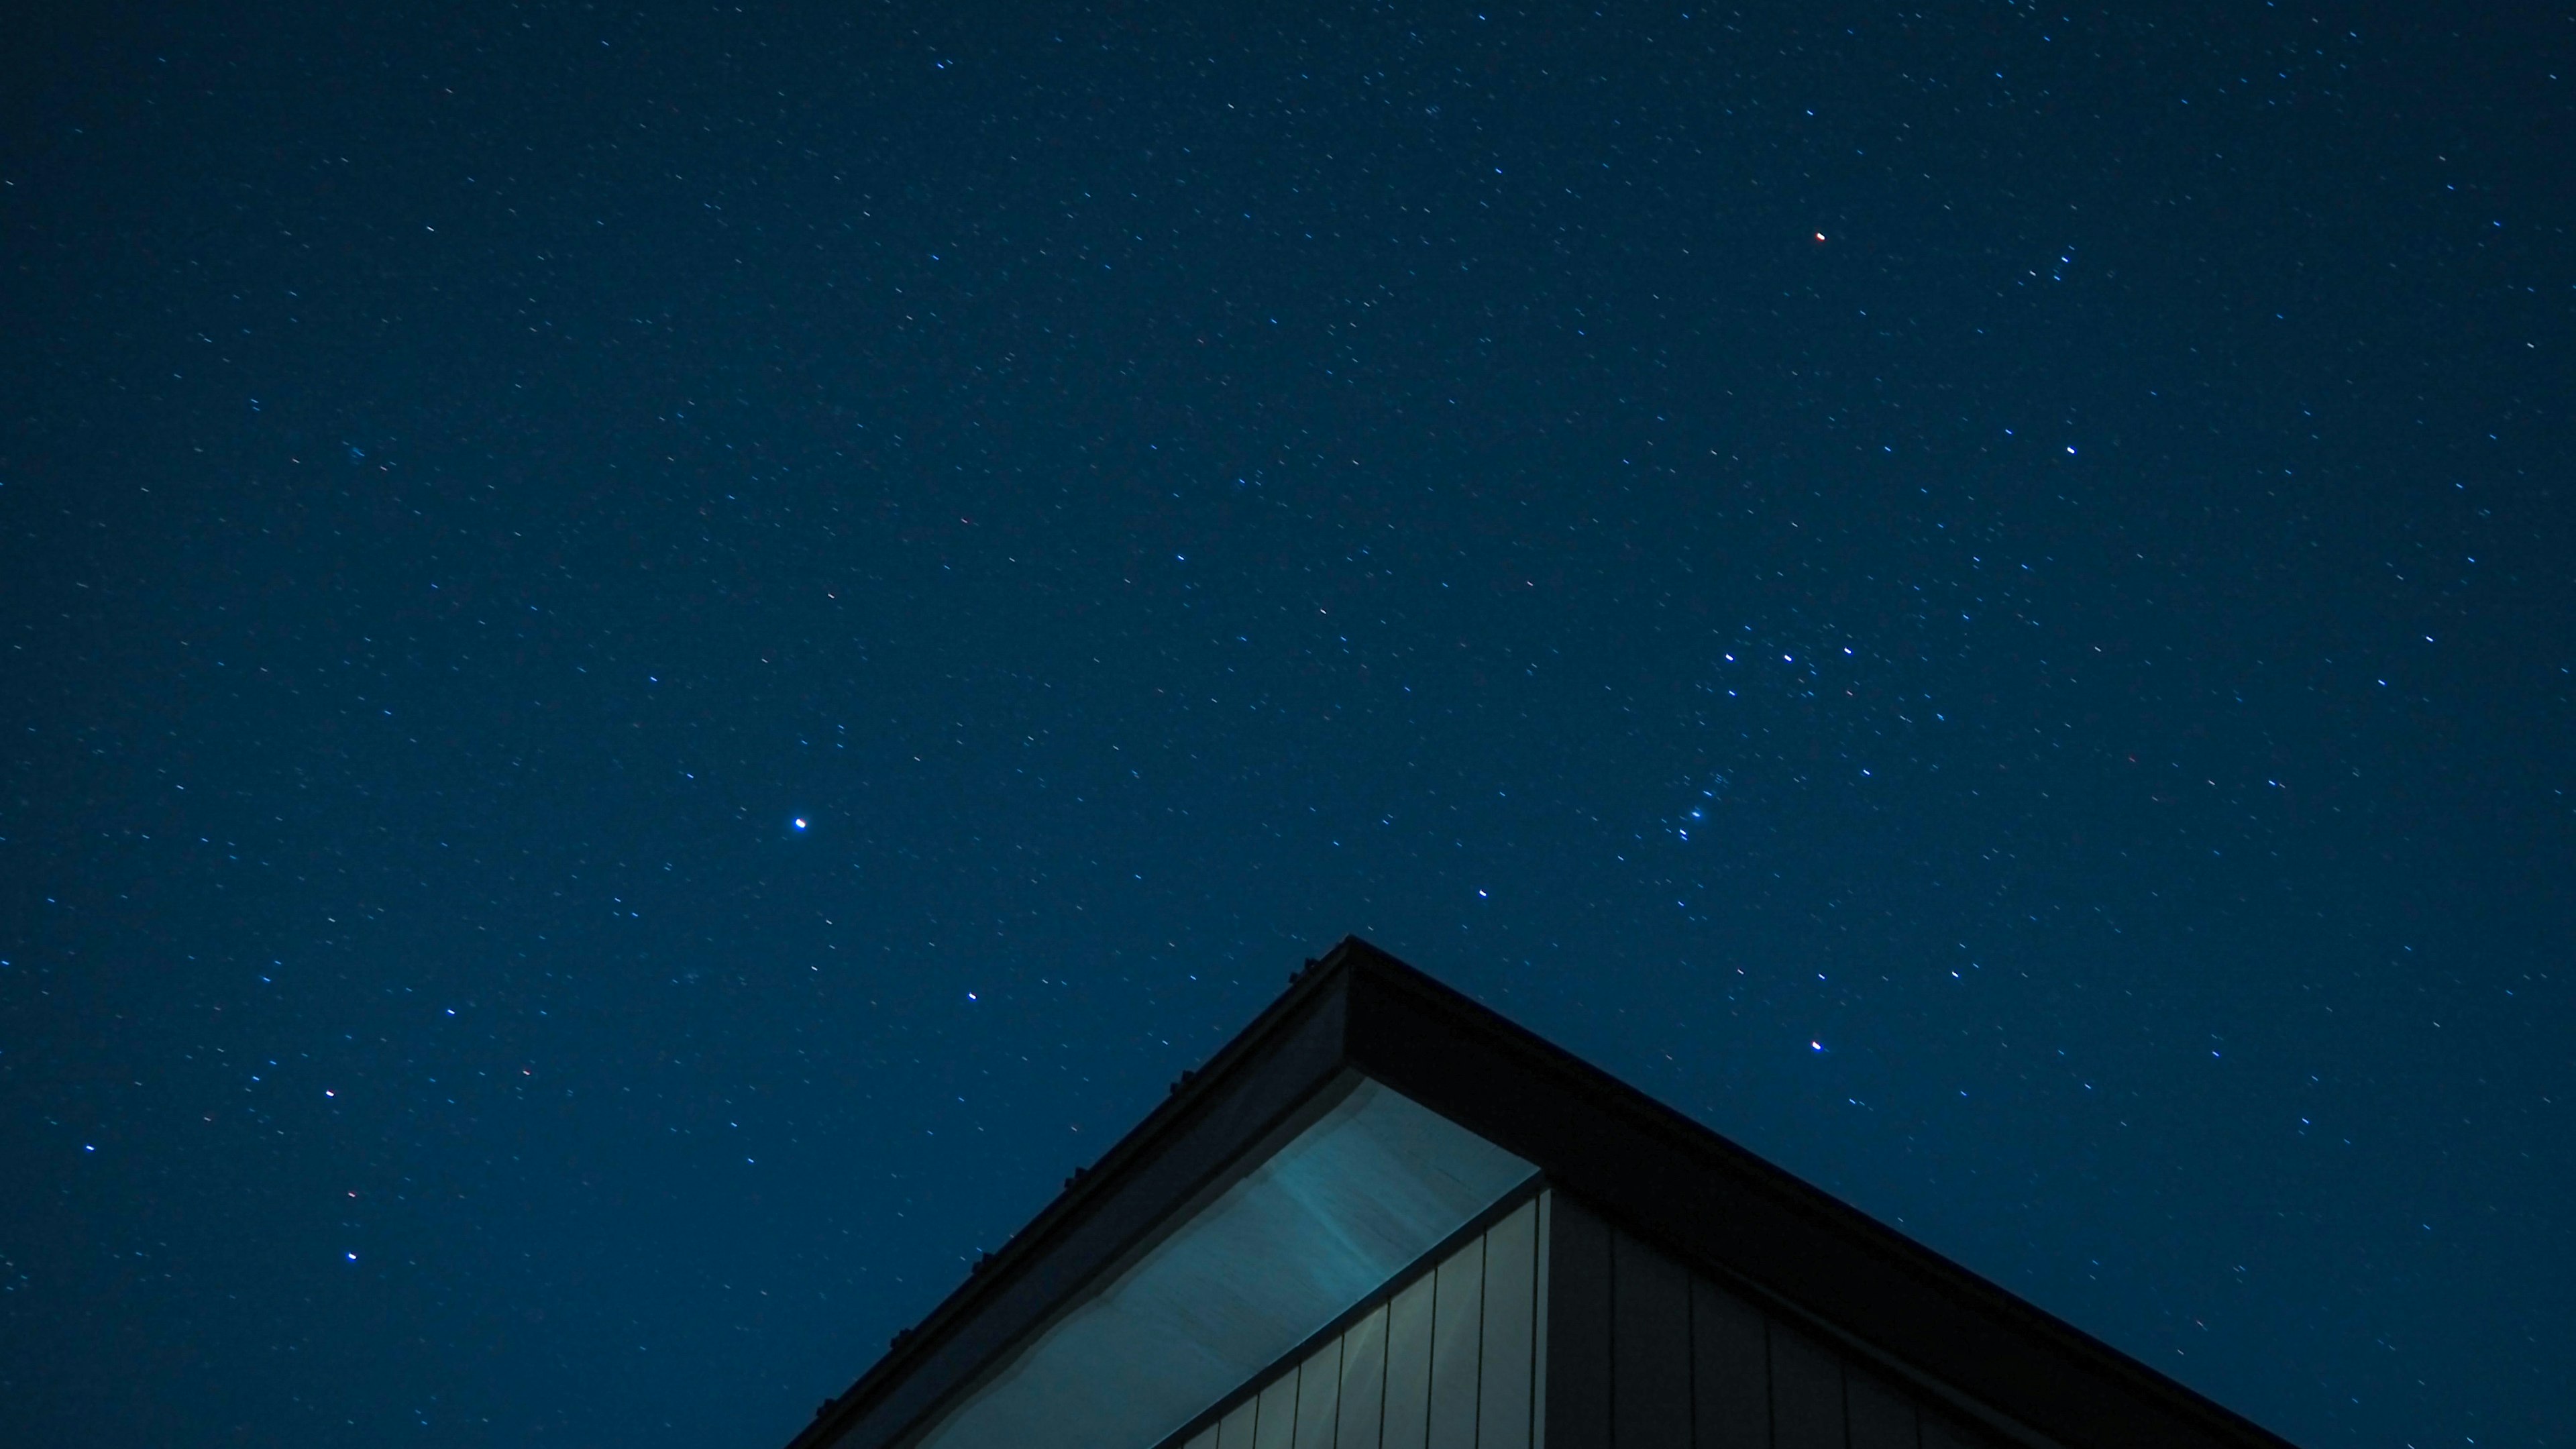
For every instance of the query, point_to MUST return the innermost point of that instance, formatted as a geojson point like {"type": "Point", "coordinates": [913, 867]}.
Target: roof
{"type": "Point", "coordinates": [1368, 1082]}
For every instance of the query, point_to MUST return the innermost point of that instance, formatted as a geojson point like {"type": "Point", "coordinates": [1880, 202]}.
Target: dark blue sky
{"type": "Point", "coordinates": [1978, 597]}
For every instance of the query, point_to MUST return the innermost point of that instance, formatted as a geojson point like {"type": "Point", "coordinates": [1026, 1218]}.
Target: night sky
{"type": "Point", "coordinates": [658, 663]}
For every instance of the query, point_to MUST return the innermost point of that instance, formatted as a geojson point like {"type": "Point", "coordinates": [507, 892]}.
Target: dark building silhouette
{"type": "Point", "coordinates": [1383, 1217]}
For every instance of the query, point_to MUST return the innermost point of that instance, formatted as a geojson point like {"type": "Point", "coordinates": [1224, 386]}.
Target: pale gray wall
{"type": "Point", "coordinates": [1445, 1363]}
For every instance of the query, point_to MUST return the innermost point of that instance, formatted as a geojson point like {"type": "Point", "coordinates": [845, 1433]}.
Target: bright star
{"type": "Point", "coordinates": [800, 822]}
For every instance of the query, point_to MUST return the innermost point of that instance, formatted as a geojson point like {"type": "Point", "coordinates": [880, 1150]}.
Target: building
{"type": "Point", "coordinates": [1383, 1217]}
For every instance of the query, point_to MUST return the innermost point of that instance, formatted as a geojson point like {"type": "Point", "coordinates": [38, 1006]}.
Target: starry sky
{"type": "Point", "coordinates": [660, 661]}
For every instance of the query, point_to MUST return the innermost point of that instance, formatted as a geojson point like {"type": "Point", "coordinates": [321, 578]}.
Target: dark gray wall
{"type": "Point", "coordinates": [1641, 1353]}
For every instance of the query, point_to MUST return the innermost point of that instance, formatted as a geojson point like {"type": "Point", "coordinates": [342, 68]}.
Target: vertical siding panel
{"type": "Point", "coordinates": [1457, 1329]}
{"type": "Point", "coordinates": [1538, 1326]}
{"type": "Point", "coordinates": [1578, 1327]}
{"type": "Point", "coordinates": [1275, 1427]}
{"type": "Point", "coordinates": [1650, 1333]}
{"type": "Point", "coordinates": [1234, 1431]}
{"type": "Point", "coordinates": [1511, 1280]}
{"type": "Point", "coordinates": [1204, 1439]}
{"type": "Point", "coordinates": [1730, 1371]}
{"type": "Point", "coordinates": [1881, 1418]}
{"type": "Point", "coordinates": [1363, 1382]}
{"type": "Point", "coordinates": [1319, 1396]}
{"type": "Point", "coordinates": [1806, 1393]}
{"type": "Point", "coordinates": [1942, 1433]}
{"type": "Point", "coordinates": [1408, 1366]}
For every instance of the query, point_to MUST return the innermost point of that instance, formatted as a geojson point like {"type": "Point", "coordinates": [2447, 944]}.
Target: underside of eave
{"type": "Point", "coordinates": [1089, 1192]}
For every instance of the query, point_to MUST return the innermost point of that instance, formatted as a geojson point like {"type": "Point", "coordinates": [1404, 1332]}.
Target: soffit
{"type": "Point", "coordinates": [1264, 1264]}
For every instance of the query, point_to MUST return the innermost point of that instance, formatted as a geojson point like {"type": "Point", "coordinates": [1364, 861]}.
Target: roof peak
{"type": "Point", "coordinates": [1358, 1012]}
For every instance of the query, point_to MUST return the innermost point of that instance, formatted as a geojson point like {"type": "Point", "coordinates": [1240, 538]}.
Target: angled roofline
{"type": "Point", "coordinates": [1284, 1069]}
{"type": "Point", "coordinates": [1645, 1166]}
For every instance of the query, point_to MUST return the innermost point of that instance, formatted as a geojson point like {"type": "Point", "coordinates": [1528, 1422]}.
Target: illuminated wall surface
{"type": "Point", "coordinates": [1309, 1230]}
{"type": "Point", "coordinates": [1650, 1355]}
{"type": "Point", "coordinates": [1450, 1359]}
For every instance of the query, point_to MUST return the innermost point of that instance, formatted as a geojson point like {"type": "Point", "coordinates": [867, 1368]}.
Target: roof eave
{"type": "Point", "coordinates": [1261, 1079]}
{"type": "Point", "coordinates": [1652, 1169]}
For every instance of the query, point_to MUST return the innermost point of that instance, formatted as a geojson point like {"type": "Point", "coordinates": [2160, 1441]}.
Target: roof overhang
{"type": "Point", "coordinates": [1364, 1109]}
{"type": "Point", "coordinates": [1265, 1260]}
